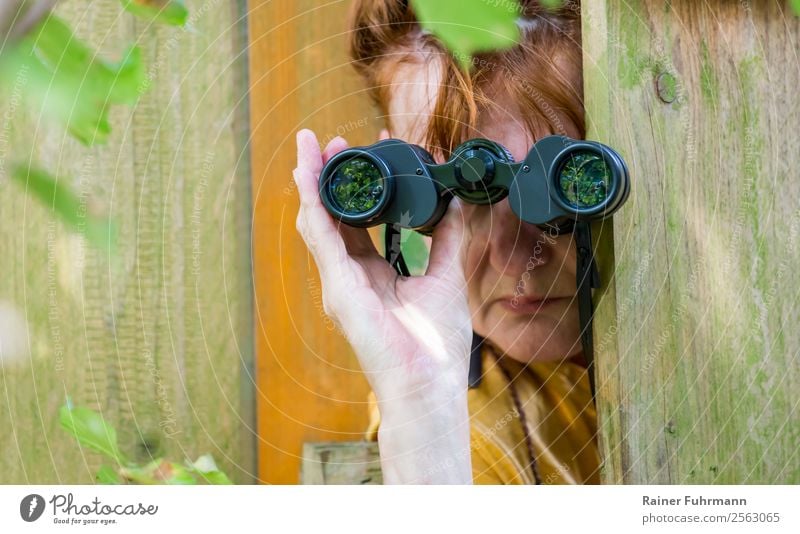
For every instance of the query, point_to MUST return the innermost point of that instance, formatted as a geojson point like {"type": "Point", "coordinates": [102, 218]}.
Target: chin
{"type": "Point", "coordinates": [543, 338]}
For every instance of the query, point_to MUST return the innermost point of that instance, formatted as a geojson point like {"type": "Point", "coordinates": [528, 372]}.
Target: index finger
{"type": "Point", "coordinates": [309, 156]}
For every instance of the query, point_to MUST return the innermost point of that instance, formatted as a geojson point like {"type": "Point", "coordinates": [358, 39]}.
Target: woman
{"type": "Point", "coordinates": [531, 418]}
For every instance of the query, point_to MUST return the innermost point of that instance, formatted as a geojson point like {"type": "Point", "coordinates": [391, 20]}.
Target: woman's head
{"type": "Point", "coordinates": [514, 97]}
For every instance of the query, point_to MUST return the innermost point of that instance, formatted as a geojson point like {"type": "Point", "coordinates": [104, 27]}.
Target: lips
{"type": "Point", "coordinates": [528, 305]}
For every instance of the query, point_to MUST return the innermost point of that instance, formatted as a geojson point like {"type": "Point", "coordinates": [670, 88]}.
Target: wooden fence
{"type": "Point", "coordinates": [696, 334]}
{"type": "Point", "coordinates": [158, 338]}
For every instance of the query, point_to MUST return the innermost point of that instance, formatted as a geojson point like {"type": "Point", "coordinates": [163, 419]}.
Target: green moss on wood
{"type": "Point", "coordinates": [709, 85]}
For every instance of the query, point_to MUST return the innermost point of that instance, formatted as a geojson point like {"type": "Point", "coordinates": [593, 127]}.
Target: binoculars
{"type": "Point", "coordinates": [561, 181]}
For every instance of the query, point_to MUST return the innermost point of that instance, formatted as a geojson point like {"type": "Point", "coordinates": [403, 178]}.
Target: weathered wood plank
{"type": "Point", "coordinates": [341, 463]}
{"type": "Point", "coordinates": [158, 337]}
{"type": "Point", "coordinates": [696, 335]}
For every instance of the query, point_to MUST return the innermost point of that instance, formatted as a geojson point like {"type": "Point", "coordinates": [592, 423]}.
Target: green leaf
{"type": "Point", "coordinates": [54, 194]}
{"type": "Point", "coordinates": [551, 4]}
{"type": "Point", "coordinates": [68, 81]}
{"type": "Point", "coordinates": [158, 471]}
{"type": "Point", "coordinates": [415, 251]}
{"type": "Point", "coordinates": [172, 12]}
{"type": "Point", "coordinates": [62, 52]}
{"type": "Point", "coordinates": [217, 478]}
{"type": "Point", "coordinates": [468, 26]}
{"type": "Point", "coordinates": [91, 430]}
{"type": "Point", "coordinates": [207, 469]}
{"type": "Point", "coordinates": [796, 7]}
{"type": "Point", "coordinates": [107, 475]}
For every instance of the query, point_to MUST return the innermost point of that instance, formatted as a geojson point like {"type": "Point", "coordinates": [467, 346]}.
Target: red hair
{"type": "Point", "coordinates": [542, 74]}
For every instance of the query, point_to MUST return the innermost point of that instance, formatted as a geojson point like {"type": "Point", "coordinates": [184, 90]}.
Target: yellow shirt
{"type": "Point", "coordinates": [557, 404]}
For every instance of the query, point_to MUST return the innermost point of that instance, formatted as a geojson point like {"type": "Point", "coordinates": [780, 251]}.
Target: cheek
{"type": "Point", "coordinates": [564, 250]}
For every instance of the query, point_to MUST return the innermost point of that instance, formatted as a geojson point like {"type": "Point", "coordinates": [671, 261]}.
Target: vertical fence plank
{"type": "Point", "coordinates": [310, 384]}
{"type": "Point", "coordinates": [696, 333]}
{"type": "Point", "coordinates": [157, 337]}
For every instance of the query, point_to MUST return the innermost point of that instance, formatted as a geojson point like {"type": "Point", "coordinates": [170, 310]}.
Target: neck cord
{"type": "Point", "coordinates": [588, 277]}
{"type": "Point", "coordinates": [475, 375]}
{"type": "Point", "coordinates": [392, 250]}
{"type": "Point", "coordinates": [523, 419]}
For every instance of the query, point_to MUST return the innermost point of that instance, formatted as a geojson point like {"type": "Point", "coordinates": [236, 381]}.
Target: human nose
{"type": "Point", "coordinates": [516, 246]}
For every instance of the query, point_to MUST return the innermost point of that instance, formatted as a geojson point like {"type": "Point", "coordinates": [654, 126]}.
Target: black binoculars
{"type": "Point", "coordinates": [561, 181]}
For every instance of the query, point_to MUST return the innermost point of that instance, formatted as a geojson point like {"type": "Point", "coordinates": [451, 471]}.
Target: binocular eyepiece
{"type": "Point", "coordinates": [394, 182]}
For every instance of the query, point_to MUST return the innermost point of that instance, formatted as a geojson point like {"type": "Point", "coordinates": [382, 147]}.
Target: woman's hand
{"type": "Point", "coordinates": [412, 335]}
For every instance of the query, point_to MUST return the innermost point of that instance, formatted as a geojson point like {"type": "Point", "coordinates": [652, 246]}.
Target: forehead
{"type": "Point", "coordinates": [413, 90]}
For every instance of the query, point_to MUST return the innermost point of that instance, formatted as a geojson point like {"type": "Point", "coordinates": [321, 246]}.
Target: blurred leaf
{"type": "Point", "coordinates": [468, 26]}
{"type": "Point", "coordinates": [172, 12]}
{"type": "Point", "coordinates": [107, 475]}
{"type": "Point", "coordinates": [205, 464]}
{"type": "Point", "coordinates": [70, 82]}
{"type": "Point", "coordinates": [91, 430]}
{"type": "Point", "coordinates": [415, 251]}
{"type": "Point", "coordinates": [551, 4]}
{"type": "Point", "coordinates": [206, 468]}
{"type": "Point", "coordinates": [217, 478]}
{"type": "Point", "coordinates": [61, 51]}
{"type": "Point", "coordinates": [414, 248]}
{"type": "Point", "coordinates": [99, 231]}
{"type": "Point", "coordinates": [158, 471]}
{"type": "Point", "coordinates": [56, 97]}
{"type": "Point", "coordinates": [796, 6]}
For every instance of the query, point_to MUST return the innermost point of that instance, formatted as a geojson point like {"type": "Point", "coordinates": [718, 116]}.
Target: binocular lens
{"type": "Point", "coordinates": [585, 179]}
{"type": "Point", "coordinates": [357, 186]}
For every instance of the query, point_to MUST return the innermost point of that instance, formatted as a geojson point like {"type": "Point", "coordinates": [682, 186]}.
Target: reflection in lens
{"type": "Point", "coordinates": [585, 179]}
{"type": "Point", "coordinates": [356, 186]}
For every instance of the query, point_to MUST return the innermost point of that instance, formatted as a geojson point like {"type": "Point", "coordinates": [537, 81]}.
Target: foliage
{"type": "Point", "coordinates": [91, 430]}
{"type": "Point", "coordinates": [584, 180]}
{"type": "Point", "coordinates": [551, 4]}
{"type": "Point", "coordinates": [357, 186]}
{"type": "Point", "coordinates": [69, 82]}
{"type": "Point", "coordinates": [415, 251]}
{"type": "Point", "coordinates": [469, 26]}
{"type": "Point", "coordinates": [172, 12]}
{"type": "Point", "coordinates": [414, 247]}
{"type": "Point", "coordinates": [99, 231]}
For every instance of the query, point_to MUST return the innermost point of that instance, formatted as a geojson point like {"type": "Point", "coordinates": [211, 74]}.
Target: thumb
{"type": "Point", "coordinates": [449, 245]}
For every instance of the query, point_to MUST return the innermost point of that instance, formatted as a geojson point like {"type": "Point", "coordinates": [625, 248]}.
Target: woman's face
{"type": "Point", "coordinates": [521, 279]}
